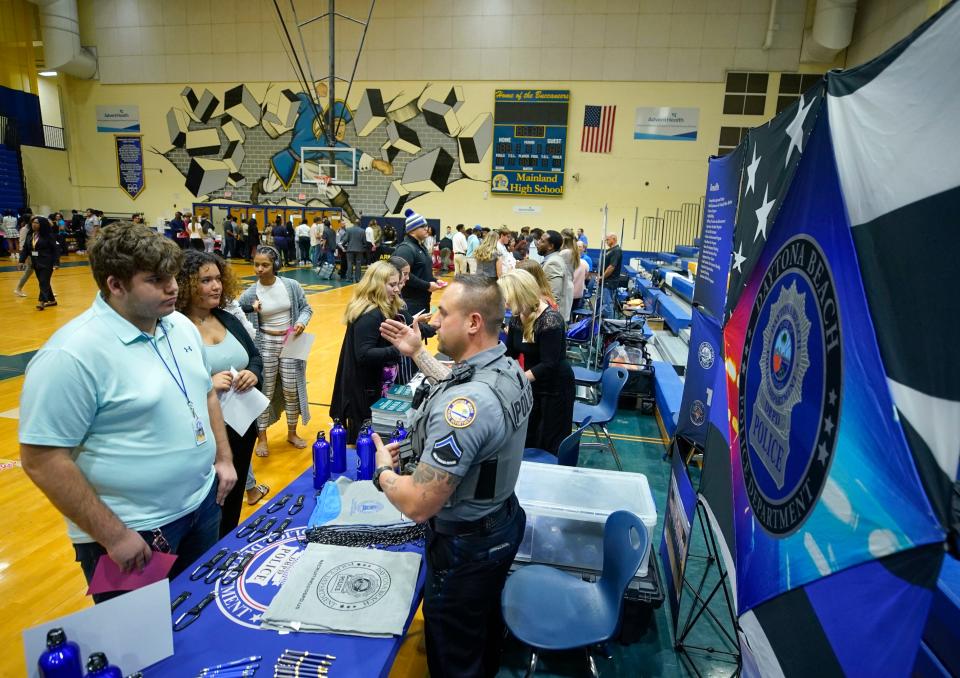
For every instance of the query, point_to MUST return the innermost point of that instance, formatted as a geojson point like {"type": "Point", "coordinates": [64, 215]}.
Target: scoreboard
{"type": "Point", "coordinates": [530, 141]}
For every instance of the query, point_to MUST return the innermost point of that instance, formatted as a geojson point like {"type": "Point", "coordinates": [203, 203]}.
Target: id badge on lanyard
{"type": "Point", "coordinates": [199, 435]}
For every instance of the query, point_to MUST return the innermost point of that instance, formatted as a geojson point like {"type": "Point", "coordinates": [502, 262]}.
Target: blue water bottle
{"type": "Point", "coordinates": [99, 667]}
{"type": "Point", "coordinates": [321, 461]}
{"type": "Point", "coordinates": [366, 455]}
{"type": "Point", "coordinates": [338, 446]}
{"type": "Point", "coordinates": [61, 659]}
{"type": "Point", "coordinates": [399, 433]}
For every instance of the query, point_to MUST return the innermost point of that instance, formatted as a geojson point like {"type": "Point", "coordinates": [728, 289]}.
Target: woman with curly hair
{"type": "Point", "coordinates": [207, 285]}
{"type": "Point", "coordinates": [368, 362]}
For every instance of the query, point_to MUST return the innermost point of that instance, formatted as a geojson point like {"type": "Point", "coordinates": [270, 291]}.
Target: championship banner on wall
{"type": "Point", "coordinates": [677, 522]}
{"type": "Point", "coordinates": [130, 174]}
{"type": "Point", "coordinates": [704, 359]}
{"type": "Point", "coordinates": [720, 211]}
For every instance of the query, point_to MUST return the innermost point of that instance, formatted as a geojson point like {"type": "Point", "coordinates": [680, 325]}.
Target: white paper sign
{"type": "Point", "coordinates": [134, 630]}
{"type": "Point", "coordinates": [240, 409]}
{"type": "Point", "coordinates": [298, 348]}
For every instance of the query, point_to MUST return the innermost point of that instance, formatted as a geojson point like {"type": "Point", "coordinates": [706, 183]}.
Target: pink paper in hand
{"type": "Point", "coordinates": [108, 577]}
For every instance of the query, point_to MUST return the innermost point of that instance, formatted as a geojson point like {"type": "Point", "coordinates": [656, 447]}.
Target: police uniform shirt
{"type": "Point", "coordinates": [465, 426]}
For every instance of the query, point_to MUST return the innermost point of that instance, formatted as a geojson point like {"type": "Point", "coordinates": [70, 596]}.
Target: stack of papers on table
{"type": "Point", "coordinates": [386, 412]}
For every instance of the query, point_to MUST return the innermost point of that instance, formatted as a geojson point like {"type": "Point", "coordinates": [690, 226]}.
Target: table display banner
{"type": "Point", "coordinates": [713, 265]}
{"type": "Point", "coordinates": [704, 359]}
{"type": "Point", "coordinates": [677, 523]}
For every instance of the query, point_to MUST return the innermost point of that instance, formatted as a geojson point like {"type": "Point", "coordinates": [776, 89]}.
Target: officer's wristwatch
{"type": "Point", "coordinates": [376, 475]}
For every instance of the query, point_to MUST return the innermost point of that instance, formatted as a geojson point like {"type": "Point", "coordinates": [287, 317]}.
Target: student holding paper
{"type": "Point", "coordinates": [207, 284]}
{"type": "Point", "coordinates": [368, 363]}
{"type": "Point", "coordinates": [278, 309]}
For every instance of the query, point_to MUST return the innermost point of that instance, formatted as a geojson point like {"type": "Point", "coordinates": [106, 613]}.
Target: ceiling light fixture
{"type": "Point", "coordinates": [48, 74]}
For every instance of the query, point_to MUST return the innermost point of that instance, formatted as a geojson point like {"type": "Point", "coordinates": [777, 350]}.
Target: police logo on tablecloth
{"type": "Point", "coordinates": [790, 387]}
{"type": "Point", "coordinates": [460, 412]}
{"type": "Point", "coordinates": [706, 355]}
{"type": "Point", "coordinates": [244, 600]}
{"type": "Point", "coordinates": [353, 585]}
{"type": "Point", "coordinates": [697, 413]}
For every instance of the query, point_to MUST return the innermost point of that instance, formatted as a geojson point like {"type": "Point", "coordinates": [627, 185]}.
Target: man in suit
{"type": "Point", "coordinates": [356, 245]}
{"type": "Point", "coordinates": [555, 268]}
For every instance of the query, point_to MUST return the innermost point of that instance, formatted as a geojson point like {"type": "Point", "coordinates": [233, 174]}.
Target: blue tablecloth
{"type": "Point", "coordinates": [228, 628]}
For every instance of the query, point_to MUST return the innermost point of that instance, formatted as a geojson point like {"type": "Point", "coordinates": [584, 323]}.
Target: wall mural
{"type": "Point", "coordinates": [390, 148]}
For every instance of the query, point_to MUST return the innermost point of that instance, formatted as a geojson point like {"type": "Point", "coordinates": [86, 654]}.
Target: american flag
{"type": "Point", "coordinates": [597, 134]}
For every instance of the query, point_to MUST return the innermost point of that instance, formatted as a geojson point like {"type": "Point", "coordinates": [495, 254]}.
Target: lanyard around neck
{"type": "Point", "coordinates": [181, 383]}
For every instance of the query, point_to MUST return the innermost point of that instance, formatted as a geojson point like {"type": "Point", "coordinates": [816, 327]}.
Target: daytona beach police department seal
{"type": "Point", "coordinates": [790, 386]}
{"type": "Point", "coordinates": [353, 585]}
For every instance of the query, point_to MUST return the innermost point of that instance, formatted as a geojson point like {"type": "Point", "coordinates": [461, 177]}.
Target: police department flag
{"type": "Point", "coordinates": [842, 421]}
{"type": "Point", "coordinates": [597, 134]}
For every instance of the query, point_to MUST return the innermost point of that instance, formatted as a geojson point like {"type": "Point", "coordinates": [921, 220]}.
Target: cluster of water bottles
{"type": "Point", "coordinates": [61, 659]}
{"type": "Point", "coordinates": [331, 457]}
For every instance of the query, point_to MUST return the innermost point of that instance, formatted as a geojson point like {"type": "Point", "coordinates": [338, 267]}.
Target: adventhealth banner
{"type": "Point", "coordinates": [130, 173]}
{"type": "Point", "coordinates": [114, 119]}
{"type": "Point", "coordinates": [665, 123]}
{"type": "Point", "coordinates": [713, 267]}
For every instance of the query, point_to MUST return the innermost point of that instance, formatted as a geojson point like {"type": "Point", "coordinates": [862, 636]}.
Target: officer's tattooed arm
{"type": "Point", "coordinates": [430, 366]}
{"type": "Point", "coordinates": [422, 495]}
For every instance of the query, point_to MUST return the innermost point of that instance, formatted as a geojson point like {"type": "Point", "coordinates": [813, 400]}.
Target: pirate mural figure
{"type": "Point", "coordinates": [308, 131]}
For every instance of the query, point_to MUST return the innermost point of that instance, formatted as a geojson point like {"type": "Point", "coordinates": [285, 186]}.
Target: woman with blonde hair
{"type": "Point", "coordinates": [368, 362]}
{"type": "Point", "coordinates": [536, 270]}
{"type": "Point", "coordinates": [486, 256]}
{"type": "Point", "coordinates": [537, 336]}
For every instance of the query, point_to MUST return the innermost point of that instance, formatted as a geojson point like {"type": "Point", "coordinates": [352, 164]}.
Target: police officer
{"type": "Point", "coordinates": [469, 433]}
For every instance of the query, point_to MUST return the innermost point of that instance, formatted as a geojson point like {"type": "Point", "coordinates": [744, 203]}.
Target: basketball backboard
{"type": "Point", "coordinates": [338, 163]}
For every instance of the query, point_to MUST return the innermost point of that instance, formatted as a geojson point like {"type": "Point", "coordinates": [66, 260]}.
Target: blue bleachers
{"type": "Point", "coordinates": [649, 265]}
{"type": "Point", "coordinates": [669, 394]}
{"type": "Point", "coordinates": [11, 184]}
{"type": "Point", "coordinates": [677, 317]}
{"type": "Point", "coordinates": [683, 287]}
{"type": "Point", "coordinates": [687, 251]}
{"type": "Point", "coordinates": [668, 257]}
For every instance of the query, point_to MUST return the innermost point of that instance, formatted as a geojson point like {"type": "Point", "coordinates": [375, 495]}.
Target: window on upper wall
{"type": "Point", "coordinates": [792, 85]}
{"type": "Point", "coordinates": [730, 138]}
{"type": "Point", "coordinates": [745, 94]}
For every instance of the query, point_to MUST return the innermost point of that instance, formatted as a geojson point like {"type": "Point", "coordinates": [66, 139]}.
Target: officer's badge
{"type": "Point", "coordinates": [446, 451]}
{"type": "Point", "coordinates": [460, 412]}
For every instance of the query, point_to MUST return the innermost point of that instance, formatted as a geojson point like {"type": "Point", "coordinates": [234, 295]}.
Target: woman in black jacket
{"type": "Point", "coordinates": [538, 333]}
{"type": "Point", "coordinates": [207, 285]}
{"type": "Point", "coordinates": [368, 362]}
{"type": "Point", "coordinates": [44, 252]}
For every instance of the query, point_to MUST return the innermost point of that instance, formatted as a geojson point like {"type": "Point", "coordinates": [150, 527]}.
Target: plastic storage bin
{"type": "Point", "coordinates": [566, 510]}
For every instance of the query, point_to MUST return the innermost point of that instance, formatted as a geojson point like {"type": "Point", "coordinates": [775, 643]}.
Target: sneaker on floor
{"type": "Point", "coordinates": [19, 293]}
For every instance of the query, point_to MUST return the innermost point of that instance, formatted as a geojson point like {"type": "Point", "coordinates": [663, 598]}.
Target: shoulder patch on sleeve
{"type": "Point", "coordinates": [460, 412]}
{"type": "Point", "coordinates": [446, 451]}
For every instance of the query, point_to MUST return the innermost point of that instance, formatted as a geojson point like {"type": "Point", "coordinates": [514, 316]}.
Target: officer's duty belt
{"type": "Point", "coordinates": [457, 528]}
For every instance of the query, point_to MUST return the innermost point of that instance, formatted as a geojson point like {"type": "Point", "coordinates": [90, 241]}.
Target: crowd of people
{"type": "Point", "coordinates": [177, 480]}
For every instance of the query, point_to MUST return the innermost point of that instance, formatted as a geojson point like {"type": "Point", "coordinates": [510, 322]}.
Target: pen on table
{"type": "Point", "coordinates": [227, 665]}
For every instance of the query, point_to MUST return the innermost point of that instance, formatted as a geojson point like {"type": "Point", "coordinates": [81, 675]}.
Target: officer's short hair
{"type": "Point", "coordinates": [482, 295]}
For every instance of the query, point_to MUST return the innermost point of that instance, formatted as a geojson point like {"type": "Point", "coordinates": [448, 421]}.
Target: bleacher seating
{"type": "Point", "coordinates": [668, 257]}
{"type": "Point", "coordinates": [687, 251]}
{"type": "Point", "coordinates": [675, 315]}
{"type": "Point", "coordinates": [669, 394]}
{"type": "Point", "coordinates": [649, 265]}
{"type": "Point", "coordinates": [11, 182]}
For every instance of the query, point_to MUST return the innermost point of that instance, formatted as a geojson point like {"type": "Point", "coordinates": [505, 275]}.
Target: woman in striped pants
{"type": "Point", "coordinates": [278, 309]}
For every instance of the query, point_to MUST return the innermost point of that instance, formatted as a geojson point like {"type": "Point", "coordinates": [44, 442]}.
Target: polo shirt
{"type": "Point", "coordinates": [99, 388]}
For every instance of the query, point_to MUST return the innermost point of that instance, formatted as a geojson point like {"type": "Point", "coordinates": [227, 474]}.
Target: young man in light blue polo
{"type": "Point", "coordinates": [119, 424]}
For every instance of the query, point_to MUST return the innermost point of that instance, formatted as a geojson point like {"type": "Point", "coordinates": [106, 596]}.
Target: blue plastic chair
{"type": "Point", "coordinates": [551, 610]}
{"type": "Point", "coordinates": [601, 414]}
{"type": "Point", "coordinates": [567, 455]}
